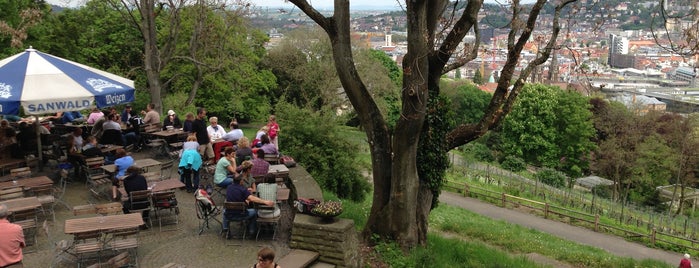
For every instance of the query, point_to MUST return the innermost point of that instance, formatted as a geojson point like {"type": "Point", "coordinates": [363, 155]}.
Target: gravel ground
{"type": "Point", "coordinates": [179, 243]}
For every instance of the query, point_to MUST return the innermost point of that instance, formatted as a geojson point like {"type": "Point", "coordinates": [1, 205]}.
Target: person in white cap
{"type": "Point", "coordinates": [172, 120]}
{"type": "Point", "coordinates": [11, 241]}
{"type": "Point", "coordinates": [686, 261]}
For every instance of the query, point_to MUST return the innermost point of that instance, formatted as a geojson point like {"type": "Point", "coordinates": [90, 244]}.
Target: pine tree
{"type": "Point", "coordinates": [478, 78]}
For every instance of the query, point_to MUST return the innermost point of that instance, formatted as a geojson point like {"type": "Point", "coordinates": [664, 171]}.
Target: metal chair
{"type": "Point", "coordinates": [27, 219]}
{"type": "Point", "coordinates": [45, 194]}
{"type": "Point", "coordinates": [125, 239]}
{"type": "Point", "coordinates": [206, 213]}
{"type": "Point", "coordinates": [139, 201]}
{"type": "Point", "coordinates": [11, 193]}
{"type": "Point", "coordinates": [19, 173]}
{"type": "Point", "coordinates": [242, 222]}
{"type": "Point", "coordinates": [166, 167]}
{"type": "Point", "coordinates": [87, 246]}
{"type": "Point", "coordinates": [271, 222]}
{"type": "Point", "coordinates": [60, 248]}
{"type": "Point", "coordinates": [165, 200]}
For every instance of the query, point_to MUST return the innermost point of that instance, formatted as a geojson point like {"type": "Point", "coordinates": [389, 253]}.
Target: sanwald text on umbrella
{"type": "Point", "coordinates": [60, 105]}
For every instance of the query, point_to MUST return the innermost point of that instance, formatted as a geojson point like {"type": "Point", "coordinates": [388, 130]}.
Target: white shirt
{"type": "Point", "coordinates": [109, 124]}
{"type": "Point", "coordinates": [234, 135]}
{"type": "Point", "coordinates": [217, 133]}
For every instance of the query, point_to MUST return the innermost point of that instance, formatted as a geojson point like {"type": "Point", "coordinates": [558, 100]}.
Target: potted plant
{"type": "Point", "coordinates": [327, 210]}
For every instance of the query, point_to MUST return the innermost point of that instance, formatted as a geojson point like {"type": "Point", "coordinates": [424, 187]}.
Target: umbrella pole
{"type": "Point", "coordinates": [38, 142]}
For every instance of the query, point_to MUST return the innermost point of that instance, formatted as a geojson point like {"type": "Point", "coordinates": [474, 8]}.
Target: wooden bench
{"type": "Point", "coordinates": [298, 258]}
{"type": "Point", "coordinates": [115, 262]}
{"type": "Point", "coordinates": [10, 163]}
{"type": "Point", "coordinates": [109, 208]}
{"type": "Point", "coordinates": [84, 209]}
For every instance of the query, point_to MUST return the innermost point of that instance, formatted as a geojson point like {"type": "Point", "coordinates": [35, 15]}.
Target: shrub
{"type": "Point", "coordinates": [513, 163]}
{"type": "Point", "coordinates": [479, 152]}
{"type": "Point", "coordinates": [551, 177]}
{"type": "Point", "coordinates": [312, 139]}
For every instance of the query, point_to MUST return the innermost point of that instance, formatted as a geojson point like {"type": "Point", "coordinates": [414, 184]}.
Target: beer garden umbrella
{"type": "Point", "coordinates": [41, 83]}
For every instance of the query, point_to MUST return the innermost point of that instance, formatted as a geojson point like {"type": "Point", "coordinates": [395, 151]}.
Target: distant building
{"type": "Point", "coordinates": [640, 103]}
{"type": "Point", "coordinates": [618, 45]}
{"type": "Point", "coordinates": [686, 74]}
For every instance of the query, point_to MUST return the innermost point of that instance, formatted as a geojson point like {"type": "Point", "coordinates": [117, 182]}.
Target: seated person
{"type": "Point", "coordinates": [72, 117]}
{"type": "Point", "coordinates": [224, 167]}
{"type": "Point", "coordinates": [172, 120]}
{"type": "Point", "coordinates": [258, 136]}
{"type": "Point", "coordinates": [248, 180]}
{"type": "Point", "coordinates": [95, 115]}
{"type": "Point", "coordinates": [236, 192]}
{"type": "Point", "coordinates": [214, 130]}
{"type": "Point", "coordinates": [267, 146]}
{"type": "Point", "coordinates": [122, 162]}
{"type": "Point", "coordinates": [187, 125]}
{"type": "Point", "coordinates": [260, 167]}
{"type": "Point", "coordinates": [235, 134]}
{"type": "Point", "coordinates": [127, 114]}
{"type": "Point", "coordinates": [134, 181]}
{"type": "Point", "coordinates": [75, 156]}
{"type": "Point", "coordinates": [268, 190]}
{"type": "Point", "coordinates": [91, 148]}
{"type": "Point", "coordinates": [111, 133]}
{"type": "Point", "coordinates": [77, 137]}
{"type": "Point", "coordinates": [190, 163]}
{"type": "Point", "coordinates": [244, 152]}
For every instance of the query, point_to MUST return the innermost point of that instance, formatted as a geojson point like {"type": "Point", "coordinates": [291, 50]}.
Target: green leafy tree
{"type": "Point", "coordinates": [550, 127]}
{"type": "Point", "coordinates": [17, 18]}
{"type": "Point", "coordinates": [467, 101]}
{"type": "Point", "coordinates": [402, 198]}
{"type": "Point", "coordinates": [478, 77]}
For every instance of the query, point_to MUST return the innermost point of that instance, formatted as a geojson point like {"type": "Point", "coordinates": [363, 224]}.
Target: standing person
{"type": "Point", "coordinates": [11, 241]}
{"type": "Point", "coordinates": [224, 167]}
{"type": "Point", "coordinates": [172, 120]}
{"type": "Point", "coordinates": [265, 259]}
{"type": "Point", "coordinates": [199, 127]}
{"type": "Point", "coordinates": [150, 115]}
{"type": "Point", "coordinates": [127, 114]}
{"type": "Point", "coordinates": [273, 130]}
{"type": "Point", "coordinates": [686, 262]}
{"type": "Point", "coordinates": [190, 162]}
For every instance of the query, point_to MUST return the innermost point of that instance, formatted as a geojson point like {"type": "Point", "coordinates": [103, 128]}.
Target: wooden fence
{"type": "Point", "coordinates": [573, 217]}
{"type": "Point", "coordinates": [641, 217]}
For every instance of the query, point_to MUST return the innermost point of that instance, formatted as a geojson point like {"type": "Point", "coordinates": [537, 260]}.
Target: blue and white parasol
{"type": "Point", "coordinates": [44, 84]}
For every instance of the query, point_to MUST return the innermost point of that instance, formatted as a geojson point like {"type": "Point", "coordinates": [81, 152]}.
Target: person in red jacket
{"type": "Point", "coordinates": [686, 262]}
{"type": "Point", "coordinates": [273, 131]}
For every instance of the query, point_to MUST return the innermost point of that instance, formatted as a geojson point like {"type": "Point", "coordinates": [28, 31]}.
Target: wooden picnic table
{"type": "Point", "coordinates": [159, 186]}
{"type": "Point", "coordinates": [279, 171]}
{"type": "Point", "coordinates": [109, 148]}
{"type": "Point", "coordinates": [140, 163]}
{"type": "Point", "coordinates": [164, 185]}
{"type": "Point", "coordinates": [19, 204]}
{"type": "Point", "coordinates": [103, 223]}
{"type": "Point", "coordinates": [26, 182]}
{"type": "Point", "coordinates": [168, 133]}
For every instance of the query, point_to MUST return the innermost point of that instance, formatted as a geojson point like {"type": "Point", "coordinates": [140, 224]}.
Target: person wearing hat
{"type": "Point", "coordinates": [686, 261]}
{"type": "Point", "coordinates": [11, 241]}
{"type": "Point", "coordinates": [172, 120]}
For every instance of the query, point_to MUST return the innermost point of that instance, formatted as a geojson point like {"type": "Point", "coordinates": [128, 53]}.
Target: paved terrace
{"type": "Point", "coordinates": [178, 243]}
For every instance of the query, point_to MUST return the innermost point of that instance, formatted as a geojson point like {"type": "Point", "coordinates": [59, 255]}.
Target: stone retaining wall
{"type": "Point", "coordinates": [336, 242]}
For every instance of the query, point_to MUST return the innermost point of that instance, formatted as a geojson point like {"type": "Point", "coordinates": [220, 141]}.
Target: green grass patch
{"type": "Point", "coordinates": [516, 239]}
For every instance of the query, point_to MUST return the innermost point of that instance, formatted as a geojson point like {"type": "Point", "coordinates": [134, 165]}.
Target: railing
{"type": "Point", "coordinates": [573, 217]}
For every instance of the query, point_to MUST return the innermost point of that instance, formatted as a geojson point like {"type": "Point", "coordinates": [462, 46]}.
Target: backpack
{"type": "Point", "coordinates": [305, 205]}
{"type": "Point", "coordinates": [287, 161]}
{"type": "Point", "coordinates": [203, 196]}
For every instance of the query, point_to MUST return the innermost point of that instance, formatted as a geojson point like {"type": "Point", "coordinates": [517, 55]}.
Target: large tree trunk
{"type": "Point", "coordinates": [151, 56]}
{"type": "Point", "coordinates": [401, 204]}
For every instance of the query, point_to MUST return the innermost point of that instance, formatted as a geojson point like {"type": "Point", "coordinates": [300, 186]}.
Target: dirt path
{"type": "Point", "coordinates": [613, 244]}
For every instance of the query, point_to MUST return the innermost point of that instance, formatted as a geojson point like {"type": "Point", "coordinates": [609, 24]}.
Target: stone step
{"type": "Point", "coordinates": [320, 264]}
{"type": "Point", "coordinates": [298, 258]}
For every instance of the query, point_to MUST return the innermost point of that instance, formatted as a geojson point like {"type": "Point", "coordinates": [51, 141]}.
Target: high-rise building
{"type": "Point", "coordinates": [617, 45]}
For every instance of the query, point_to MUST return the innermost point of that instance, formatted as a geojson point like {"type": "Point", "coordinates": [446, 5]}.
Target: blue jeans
{"type": "Point", "coordinates": [224, 184]}
{"type": "Point", "coordinates": [190, 178]}
{"type": "Point", "coordinates": [251, 216]}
